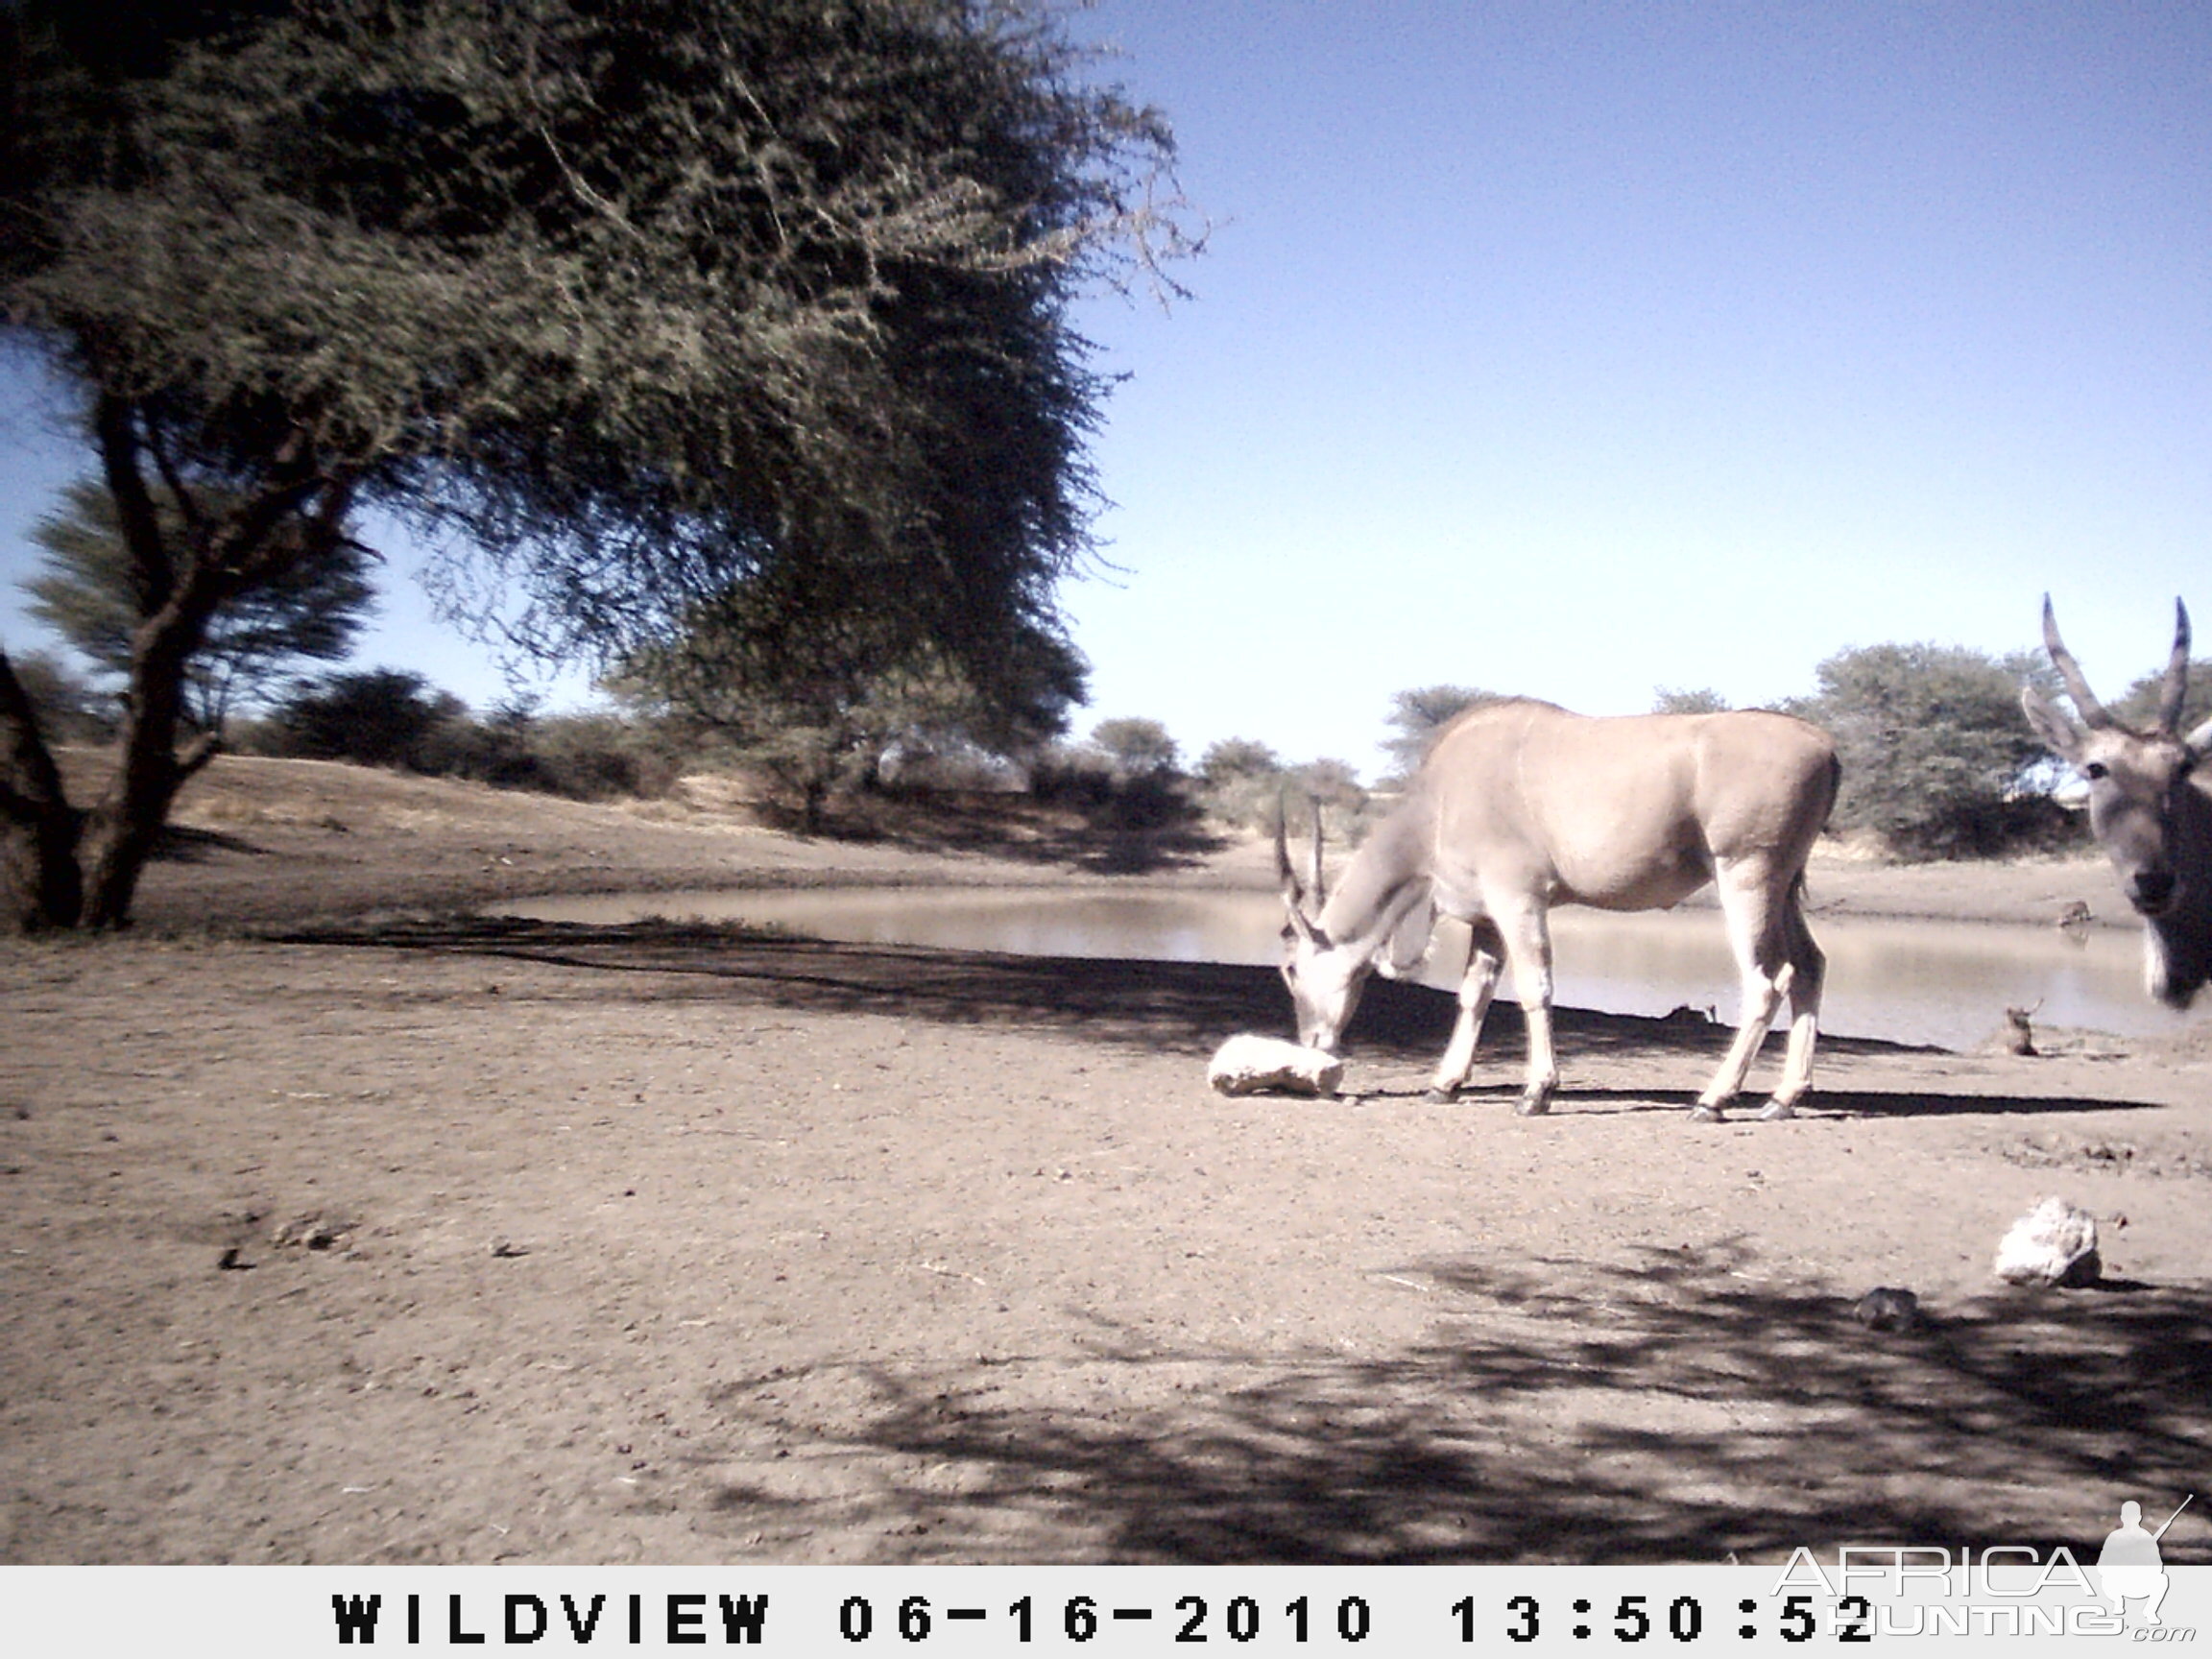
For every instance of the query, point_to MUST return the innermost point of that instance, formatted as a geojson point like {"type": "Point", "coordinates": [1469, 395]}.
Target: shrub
{"type": "Point", "coordinates": [392, 717]}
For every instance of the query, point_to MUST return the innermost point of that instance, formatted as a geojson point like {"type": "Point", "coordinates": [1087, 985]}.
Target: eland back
{"type": "Point", "coordinates": [2147, 808]}
{"type": "Point", "coordinates": [1522, 805]}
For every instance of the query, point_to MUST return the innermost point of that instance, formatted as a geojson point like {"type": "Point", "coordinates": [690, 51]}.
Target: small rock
{"type": "Point", "coordinates": [2053, 1243]}
{"type": "Point", "coordinates": [1888, 1308]}
{"type": "Point", "coordinates": [312, 1232]}
{"type": "Point", "coordinates": [1249, 1065]}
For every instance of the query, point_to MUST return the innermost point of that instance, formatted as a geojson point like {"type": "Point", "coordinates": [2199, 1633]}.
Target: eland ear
{"type": "Point", "coordinates": [2200, 741]}
{"type": "Point", "coordinates": [2054, 725]}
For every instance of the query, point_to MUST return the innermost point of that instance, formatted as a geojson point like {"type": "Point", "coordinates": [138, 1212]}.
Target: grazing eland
{"type": "Point", "coordinates": [2147, 808]}
{"type": "Point", "coordinates": [1521, 806]}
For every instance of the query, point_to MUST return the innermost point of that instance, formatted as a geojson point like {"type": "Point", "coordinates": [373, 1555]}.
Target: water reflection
{"type": "Point", "coordinates": [1945, 983]}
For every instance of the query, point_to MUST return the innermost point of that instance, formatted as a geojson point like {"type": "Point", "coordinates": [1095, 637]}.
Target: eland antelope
{"type": "Point", "coordinates": [2145, 809]}
{"type": "Point", "coordinates": [1521, 806]}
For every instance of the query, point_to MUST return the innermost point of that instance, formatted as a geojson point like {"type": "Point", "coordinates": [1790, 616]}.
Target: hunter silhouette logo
{"type": "Point", "coordinates": [1999, 1588]}
{"type": "Point", "coordinates": [2129, 1566]}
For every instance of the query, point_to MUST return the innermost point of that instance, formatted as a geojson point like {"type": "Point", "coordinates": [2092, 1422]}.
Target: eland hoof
{"type": "Point", "coordinates": [1532, 1105]}
{"type": "Point", "coordinates": [1774, 1111]}
{"type": "Point", "coordinates": [1705, 1111]}
{"type": "Point", "coordinates": [1441, 1096]}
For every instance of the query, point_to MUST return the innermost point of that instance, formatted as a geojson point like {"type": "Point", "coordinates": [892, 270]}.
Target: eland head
{"type": "Point", "coordinates": [1325, 975]}
{"type": "Point", "coordinates": [2145, 810]}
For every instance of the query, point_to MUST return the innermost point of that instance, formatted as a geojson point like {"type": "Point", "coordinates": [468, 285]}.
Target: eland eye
{"type": "Point", "coordinates": [2095, 770]}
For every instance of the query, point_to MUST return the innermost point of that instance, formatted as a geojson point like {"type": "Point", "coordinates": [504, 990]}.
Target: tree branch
{"type": "Point", "coordinates": [154, 576]}
{"type": "Point", "coordinates": [197, 754]}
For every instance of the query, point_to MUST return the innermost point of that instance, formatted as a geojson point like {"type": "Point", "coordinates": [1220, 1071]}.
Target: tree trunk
{"type": "Point", "coordinates": [123, 830]}
{"type": "Point", "coordinates": [178, 590]}
{"type": "Point", "coordinates": [40, 887]}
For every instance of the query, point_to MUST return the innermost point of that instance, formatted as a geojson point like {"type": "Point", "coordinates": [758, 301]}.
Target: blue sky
{"type": "Point", "coordinates": [1577, 349]}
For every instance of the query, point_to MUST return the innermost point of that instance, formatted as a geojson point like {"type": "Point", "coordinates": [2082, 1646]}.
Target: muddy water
{"type": "Point", "coordinates": [1938, 982]}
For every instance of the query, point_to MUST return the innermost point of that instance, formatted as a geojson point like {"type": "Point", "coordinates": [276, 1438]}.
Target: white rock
{"type": "Point", "coordinates": [2053, 1243]}
{"type": "Point", "coordinates": [1249, 1065]}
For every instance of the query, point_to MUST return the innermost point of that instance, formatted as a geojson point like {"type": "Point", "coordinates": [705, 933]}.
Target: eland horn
{"type": "Point", "coordinates": [2176, 686]}
{"type": "Point", "coordinates": [1320, 886]}
{"type": "Point", "coordinates": [1293, 896]}
{"type": "Point", "coordinates": [2093, 713]}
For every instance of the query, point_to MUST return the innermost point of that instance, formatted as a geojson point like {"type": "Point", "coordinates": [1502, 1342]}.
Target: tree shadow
{"type": "Point", "coordinates": [1670, 1411]}
{"type": "Point", "coordinates": [1164, 1007]}
{"type": "Point", "coordinates": [181, 844]}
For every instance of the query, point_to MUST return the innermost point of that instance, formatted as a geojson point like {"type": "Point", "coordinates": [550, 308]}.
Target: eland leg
{"type": "Point", "coordinates": [1528, 934]}
{"type": "Point", "coordinates": [1756, 936]}
{"type": "Point", "coordinates": [1485, 954]}
{"type": "Point", "coordinates": [1809, 974]}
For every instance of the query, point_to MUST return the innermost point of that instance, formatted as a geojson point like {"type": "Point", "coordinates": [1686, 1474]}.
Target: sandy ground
{"type": "Point", "coordinates": [336, 1227]}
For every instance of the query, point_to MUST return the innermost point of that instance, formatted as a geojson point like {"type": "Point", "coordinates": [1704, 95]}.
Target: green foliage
{"type": "Point", "coordinates": [393, 717]}
{"type": "Point", "coordinates": [1683, 700]}
{"type": "Point", "coordinates": [580, 757]}
{"type": "Point", "coordinates": [1241, 782]}
{"type": "Point", "coordinates": [822, 706]}
{"type": "Point", "coordinates": [1246, 784]}
{"type": "Point", "coordinates": [311, 607]}
{"type": "Point", "coordinates": [1230, 760]}
{"type": "Point", "coordinates": [376, 717]}
{"type": "Point", "coordinates": [1125, 775]}
{"type": "Point", "coordinates": [1935, 748]}
{"type": "Point", "coordinates": [1333, 787]}
{"type": "Point", "coordinates": [2139, 705]}
{"type": "Point", "coordinates": [1135, 748]}
{"type": "Point", "coordinates": [68, 708]}
{"type": "Point", "coordinates": [1418, 715]}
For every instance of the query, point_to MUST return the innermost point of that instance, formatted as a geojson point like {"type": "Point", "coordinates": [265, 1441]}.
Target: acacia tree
{"type": "Point", "coordinates": [620, 302]}
{"type": "Point", "coordinates": [311, 607]}
{"type": "Point", "coordinates": [1688, 700]}
{"type": "Point", "coordinates": [1133, 747]}
{"type": "Point", "coordinates": [1933, 746]}
{"type": "Point", "coordinates": [1418, 715]}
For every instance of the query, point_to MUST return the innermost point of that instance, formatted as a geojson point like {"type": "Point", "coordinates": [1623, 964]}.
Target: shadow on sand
{"type": "Point", "coordinates": [1676, 1411]}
